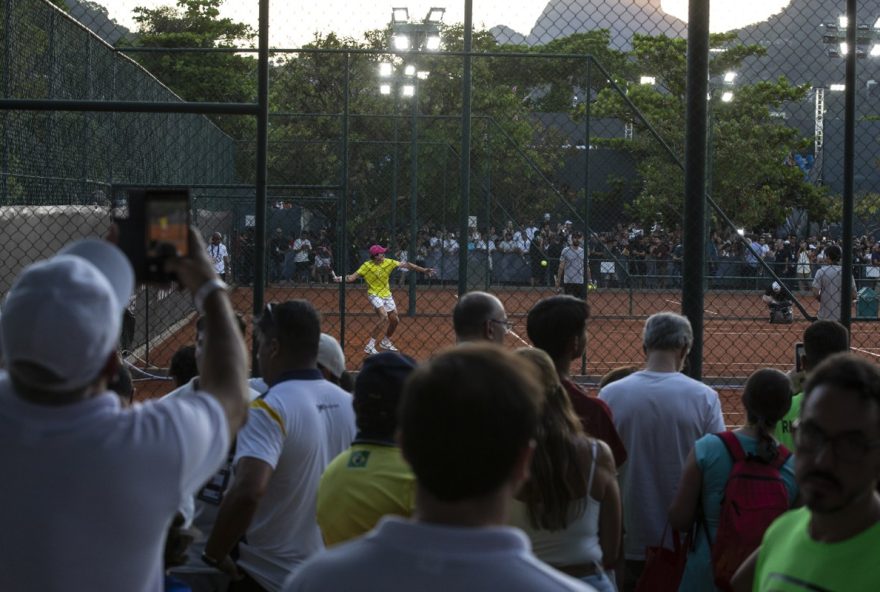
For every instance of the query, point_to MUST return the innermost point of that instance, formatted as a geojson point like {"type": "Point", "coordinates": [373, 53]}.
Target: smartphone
{"type": "Point", "coordinates": [153, 226]}
{"type": "Point", "coordinates": [798, 356]}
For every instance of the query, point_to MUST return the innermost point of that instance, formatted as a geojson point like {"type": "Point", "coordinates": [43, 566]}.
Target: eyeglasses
{"type": "Point", "coordinates": [267, 314]}
{"type": "Point", "coordinates": [507, 325]}
{"type": "Point", "coordinates": [850, 447]}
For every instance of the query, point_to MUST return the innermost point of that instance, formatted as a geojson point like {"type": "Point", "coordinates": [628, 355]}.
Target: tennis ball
{"type": "Point", "coordinates": [543, 263]}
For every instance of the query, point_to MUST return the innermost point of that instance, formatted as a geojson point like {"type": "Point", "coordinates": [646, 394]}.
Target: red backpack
{"type": "Point", "coordinates": [754, 496]}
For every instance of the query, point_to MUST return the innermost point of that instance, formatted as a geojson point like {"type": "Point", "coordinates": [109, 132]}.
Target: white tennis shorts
{"type": "Point", "coordinates": [378, 302]}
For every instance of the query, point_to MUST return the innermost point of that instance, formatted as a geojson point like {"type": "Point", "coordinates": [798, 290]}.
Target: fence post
{"type": "Point", "coordinates": [411, 251]}
{"type": "Point", "coordinates": [849, 123]}
{"type": "Point", "coordinates": [489, 152]}
{"type": "Point", "coordinates": [4, 174]}
{"type": "Point", "coordinates": [695, 178]}
{"type": "Point", "coordinates": [343, 208]}
{"type": "Point", "coordinates": [413, 191]}
{"type": "Point", "coordinates": [262, 161]}
{"type": "Point", "coordinates": [464, 204]}
{"type": "Point", "coordinates": [587, 193]}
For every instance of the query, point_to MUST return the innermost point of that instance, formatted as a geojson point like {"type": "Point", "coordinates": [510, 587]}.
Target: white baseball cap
{"type": "Point", "coordinates": [330, 355]}
{"type": "Point", "coordinates": [65, 313]}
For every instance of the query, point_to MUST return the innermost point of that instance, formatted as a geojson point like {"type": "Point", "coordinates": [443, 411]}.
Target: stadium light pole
{"type": "Point", "coordinates": [409, 38]}
{"type": "Point", "coordinates": [720, 87]}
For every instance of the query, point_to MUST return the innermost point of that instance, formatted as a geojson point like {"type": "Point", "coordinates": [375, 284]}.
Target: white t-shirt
{"type": "Point", "coordinates": [218, 256]}
{"type": "Point", "coordinates": [403, 555]}
{"type": "Point", "coordinates": [301, 248]}
{"type": "Point", "coordinates": [200, 510]}
{"type": "Point", "coordinates": [574, 265]}
{"type": "Point", "coordinates": [298, 427]}
{"type": "Point", "coordinates": [90, 488]}
{"type": "Point", "coordinates": [829, 281]}
{"type": "Point", "coordinates": [659, 416]}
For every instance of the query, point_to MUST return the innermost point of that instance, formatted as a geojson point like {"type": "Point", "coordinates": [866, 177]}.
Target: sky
{"type": "Point", "coordinates": [293, 22]}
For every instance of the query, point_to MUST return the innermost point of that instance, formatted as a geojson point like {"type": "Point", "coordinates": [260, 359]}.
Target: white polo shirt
{"type": "Point", "coordinates": [90, 488]}
{"type": "Point", "coordinates": [297, 427]}
{"type": "Point", "coordinates": [402, 555]}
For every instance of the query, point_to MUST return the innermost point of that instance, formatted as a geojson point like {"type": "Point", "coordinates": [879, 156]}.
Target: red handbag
{"type": "Point", "coordinates": [664, 567]}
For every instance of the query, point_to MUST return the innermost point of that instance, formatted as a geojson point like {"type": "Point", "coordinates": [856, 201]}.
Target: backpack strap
{"type": "Point", "coordinates": [782, 456]}
{"type": "Point", "coordinates": [733, 446]}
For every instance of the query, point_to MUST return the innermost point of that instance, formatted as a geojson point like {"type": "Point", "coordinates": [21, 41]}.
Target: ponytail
{"type": "Point", "coordinates": [768, 447]}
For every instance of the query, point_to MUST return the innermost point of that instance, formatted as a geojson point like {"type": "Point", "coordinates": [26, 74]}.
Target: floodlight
{"type": "Point", "coordinates": [741, 231]}
{"type": "Point", "coordinates": [408, 90]}
{"type": "Point", "coordinates": [399, 15]}
{"type": "Point", "coordinates": [401, 42]}
{"type": "Point", "coordinates": [844, 48]}
{"type": "Point", "coordinates": [647, 80]}
{"type": "Point", "coordinates": [422, 74]}
{"type": "Point", "coordinates": [432, 42]}
{"type": "Point", "coordinates": [729, 77]}
{"type": "Point", "coordinates": [386, 69]}
{"type": "Point", "coordinates": [875, 50]}
{"type": "Point", "coordinates": [727, 96]}
{"type": "Point", "coordinates": [385, 88]}
{"type": "Point", "coordinates": [842, 22]}
{"type": "Point", "coordinates": [877, 24]}
{"type": "Point", "coordinates": [409, 70]}
{"type": "Point", "coordinates": [435, 15]}
{"type": "Point", "coordinates": [837, 87]}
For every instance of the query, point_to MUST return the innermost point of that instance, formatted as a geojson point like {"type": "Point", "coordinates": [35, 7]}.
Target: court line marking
{"type": "Point", "coordinates": [706, 310]}
{"type": "Point", "coordinates": [864, 351]}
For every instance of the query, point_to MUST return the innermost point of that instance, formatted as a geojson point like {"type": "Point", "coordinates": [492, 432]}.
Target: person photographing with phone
{"type": "Point", "coordinates": [96, 480]}
{"type": "Point", "coordinates": [376, 271]}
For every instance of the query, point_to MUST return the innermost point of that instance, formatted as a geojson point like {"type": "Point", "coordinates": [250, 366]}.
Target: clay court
{"type": "Point", "coordinates": [738, 339]}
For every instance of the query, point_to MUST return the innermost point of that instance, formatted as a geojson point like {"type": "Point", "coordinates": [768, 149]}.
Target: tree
{"type": "Point", "coordinates": [749, 177]}
{"type": "Point", "coordinates": [222, 77]}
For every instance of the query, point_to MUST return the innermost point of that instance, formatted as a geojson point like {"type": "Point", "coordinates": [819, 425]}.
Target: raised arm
{"type": "Point", "coordinates": [414, 267]}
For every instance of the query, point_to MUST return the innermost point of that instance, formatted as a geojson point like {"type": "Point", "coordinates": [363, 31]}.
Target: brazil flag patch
{"type": "Point", "coordinates": [358, 459]}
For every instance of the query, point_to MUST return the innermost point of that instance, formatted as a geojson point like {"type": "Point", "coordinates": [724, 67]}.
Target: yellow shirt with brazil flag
{"type": "Point", "coordinates": [791, 561]}
{"type": "Point", "coordinates": [364, 483]}
{"type": "Point", "coordinates": [376, 276]}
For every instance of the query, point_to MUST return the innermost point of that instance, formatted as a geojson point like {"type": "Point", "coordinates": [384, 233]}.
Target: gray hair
{"type": "Point", "coordinates": [667, 331]}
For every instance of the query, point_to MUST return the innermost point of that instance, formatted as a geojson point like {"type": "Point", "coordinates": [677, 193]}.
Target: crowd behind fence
{"type": "Point", "coordinates": [388, 172]}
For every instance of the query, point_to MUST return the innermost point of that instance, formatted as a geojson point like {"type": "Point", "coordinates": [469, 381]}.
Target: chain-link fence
{"type": "Point", "coordinates": [576, 183]}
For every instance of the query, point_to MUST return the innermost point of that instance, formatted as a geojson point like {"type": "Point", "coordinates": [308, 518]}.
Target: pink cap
{"type": "Point", "coordinates": [377, 250]}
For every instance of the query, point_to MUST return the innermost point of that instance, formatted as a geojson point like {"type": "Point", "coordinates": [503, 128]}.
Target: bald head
{"type": "Point", "coordinates": [479, 316]}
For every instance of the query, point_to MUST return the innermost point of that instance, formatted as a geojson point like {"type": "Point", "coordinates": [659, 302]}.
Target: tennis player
{"type": "Point", "coordinates": [376, 271]}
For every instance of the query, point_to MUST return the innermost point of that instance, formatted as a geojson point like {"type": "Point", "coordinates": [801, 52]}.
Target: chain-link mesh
{"type": "Point", "coordinates": [578, 126]}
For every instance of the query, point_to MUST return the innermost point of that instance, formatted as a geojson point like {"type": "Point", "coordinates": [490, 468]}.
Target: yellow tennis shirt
{"type": "Point", "coordinates": [376, 276]}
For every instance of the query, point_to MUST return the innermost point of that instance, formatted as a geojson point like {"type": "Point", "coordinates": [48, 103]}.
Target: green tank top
{"type": "Point", "coordinates": [791, 561]}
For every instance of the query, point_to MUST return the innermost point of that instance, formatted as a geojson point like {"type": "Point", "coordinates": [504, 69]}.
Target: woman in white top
{"type": "Point", "coordinates": [570, 507]}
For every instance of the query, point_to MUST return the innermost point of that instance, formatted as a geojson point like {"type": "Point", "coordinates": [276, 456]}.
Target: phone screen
{"type": "Point", "coordinates": [798, 354]}
{"type": "Point", "coordinates": [167, 217]}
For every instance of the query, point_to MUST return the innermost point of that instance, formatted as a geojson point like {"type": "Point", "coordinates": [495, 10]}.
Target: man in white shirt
{"type": "Point", "coordinates": [219, 255]}
{"type": "Point", "coordinates": [302, 248]}
{"type": "Point", "coordinates": [292, 433]}
{"type": "Point", "coordinates": [468, 465]}
{"type": "Point", "coordinates": [828, 286]}
{"type": "Point", "coordinates": [659, 413]}
{"type": "Point", "coordinates": [92, 488]}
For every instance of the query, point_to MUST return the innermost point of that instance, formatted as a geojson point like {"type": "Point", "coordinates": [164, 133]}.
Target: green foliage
{"type": "Point", "coordinates": [224, 77]}
{"type": "Point", "coordinates": [750, 177]}
{"type": "Point", "coordinates": [866, 209]}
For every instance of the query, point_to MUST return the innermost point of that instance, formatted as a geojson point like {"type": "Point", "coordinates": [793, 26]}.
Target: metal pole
{"type": "Point", "coordinates": [342, 248]}
{"type": "Point", "coordinates": [849, 124]}
{"type": "Point", "coordinates": [489, 152]}
{"type": "Point", "coordinates": [394, 164]}
{"type": "Point", "coordinates": [262, 161]}
{"type": "Point", "coordinates": [695, 178]}
{"type": "Point", "coordinates": [464, 203]}
{"type": "Point", "coordinates": [7, 12]}
{"type": "Point", "coordinates": [587, 193]}
{"type": "Point", "coordinates": [413, 191]}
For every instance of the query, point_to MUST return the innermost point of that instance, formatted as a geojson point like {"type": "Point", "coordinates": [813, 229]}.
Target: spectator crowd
{"type": "Point", "coordinates": [479, 469]}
